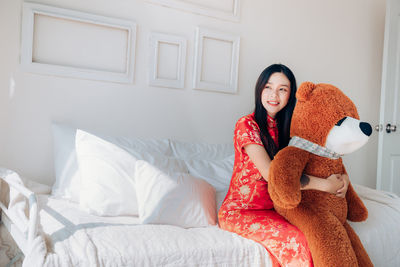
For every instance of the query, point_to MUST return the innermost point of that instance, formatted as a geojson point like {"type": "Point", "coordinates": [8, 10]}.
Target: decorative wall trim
{"type": "Point", "coordinates": [34, 57]}
{"type": "Point", "coordinates": [230, 82]}
{"type": "Point", "coordinates": [232, 14]}
{"type": "Point", "coordinates": [157, 41]}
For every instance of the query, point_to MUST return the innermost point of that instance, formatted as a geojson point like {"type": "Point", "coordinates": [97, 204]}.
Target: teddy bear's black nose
{"type": "Point", "coordinates": [366, 128]}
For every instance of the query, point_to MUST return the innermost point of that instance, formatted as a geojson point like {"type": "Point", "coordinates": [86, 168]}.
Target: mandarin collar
{"type": "Point", "coordinates": [271, 122]}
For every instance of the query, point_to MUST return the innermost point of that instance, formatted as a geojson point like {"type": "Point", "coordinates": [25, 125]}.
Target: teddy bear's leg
{"type": "Point", "coordinates": [327, 238]}
{"type": "Point", "coordinates": [362, 256]}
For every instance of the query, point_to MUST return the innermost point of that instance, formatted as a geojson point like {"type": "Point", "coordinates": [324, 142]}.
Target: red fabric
{"type": "Point", "coordinates": [273, 129]}
{"type": "Point", "coordinates": [248, 210]}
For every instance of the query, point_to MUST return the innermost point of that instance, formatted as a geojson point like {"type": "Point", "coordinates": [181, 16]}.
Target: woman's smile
{"type": "Point", "coordinates": [273, 103]}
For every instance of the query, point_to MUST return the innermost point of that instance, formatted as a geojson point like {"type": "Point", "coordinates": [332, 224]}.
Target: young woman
{"type": "Point", "coordinates": [247, 209]}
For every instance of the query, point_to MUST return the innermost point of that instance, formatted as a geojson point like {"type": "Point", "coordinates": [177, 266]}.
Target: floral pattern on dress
{"type": "Point", "coordinates": [248, 209]}
{"type": "Point", "coordinates": [273, 129]}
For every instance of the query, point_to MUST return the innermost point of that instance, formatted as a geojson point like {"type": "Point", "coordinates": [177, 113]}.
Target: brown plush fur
{"type": "Point", "coordinates": [321, 216]}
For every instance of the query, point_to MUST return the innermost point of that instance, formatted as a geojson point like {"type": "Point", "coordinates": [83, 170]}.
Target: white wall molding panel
{"type": "Point", "coordinates": [57, 41]}
{"type": "Point", "coordinates": [221, 9]}
{"type": "Point", "coordinates": [216, 61]}
{"type": "Point", "coordinates": [167, 60]}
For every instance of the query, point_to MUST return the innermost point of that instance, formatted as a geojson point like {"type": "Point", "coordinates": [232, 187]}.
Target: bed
{"type": "Point", "coordinates": [52, 228]}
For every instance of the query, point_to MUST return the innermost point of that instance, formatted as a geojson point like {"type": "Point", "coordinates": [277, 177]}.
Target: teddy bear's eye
{"type": "Point", "coordinates": [340, 121]}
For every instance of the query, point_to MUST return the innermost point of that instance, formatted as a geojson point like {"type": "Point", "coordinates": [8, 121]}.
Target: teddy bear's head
{"type": "Point", "coordinates": [324, 115]}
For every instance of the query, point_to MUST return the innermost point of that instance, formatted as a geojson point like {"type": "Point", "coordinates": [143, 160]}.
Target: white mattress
{"type": "Point", "coordinates": [380, 233]}
{"type": "Point", "coordinates": [74, 238]}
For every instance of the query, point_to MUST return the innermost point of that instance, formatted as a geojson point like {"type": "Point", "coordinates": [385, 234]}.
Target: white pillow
{"type": "Point", "coordinates": [184, 150]}
{"type": "Point", "coordinates": [107, 172]}
{"type": "Point", "coordinates": [67, 183]}
{"type": "Point", "coordinates": [177, 199]}
{"type": "Point", "coordinates": [218, 173]}
{"type": "Point", "coordinates": [107, 177]}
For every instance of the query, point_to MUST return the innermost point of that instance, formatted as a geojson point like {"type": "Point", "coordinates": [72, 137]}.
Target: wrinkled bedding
{"type": "Point", "coordinates": [71, 237]}
{"type": "Point", "coordinates": [380, 233]}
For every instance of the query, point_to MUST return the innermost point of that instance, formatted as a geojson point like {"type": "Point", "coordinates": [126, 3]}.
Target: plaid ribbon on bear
{"type": "Point", "coordinates": [313, 148]}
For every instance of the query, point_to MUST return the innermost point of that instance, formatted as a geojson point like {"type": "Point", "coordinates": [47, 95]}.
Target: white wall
{"type": "Point", "coordinates": [338, 42]}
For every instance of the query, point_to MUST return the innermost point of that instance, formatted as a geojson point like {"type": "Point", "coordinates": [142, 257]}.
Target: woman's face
{"type": "Point", "coordinates": [276, 93]}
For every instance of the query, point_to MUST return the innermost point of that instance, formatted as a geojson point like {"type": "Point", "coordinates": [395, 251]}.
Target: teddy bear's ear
{"type": "Point", "coordinates": [304, 91]}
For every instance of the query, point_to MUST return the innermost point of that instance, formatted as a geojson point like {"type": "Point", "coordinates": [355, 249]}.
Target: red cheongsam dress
{"type": "Point", "coordinates": [248, 209]}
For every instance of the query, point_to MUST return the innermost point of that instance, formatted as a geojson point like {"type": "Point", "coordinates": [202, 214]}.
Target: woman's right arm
{"type": "Point", "coordinates": [258, 155]}
{"type": "Point", "coordinates": [331, 184]}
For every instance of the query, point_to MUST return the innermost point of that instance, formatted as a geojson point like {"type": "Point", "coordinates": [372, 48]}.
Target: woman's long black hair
{"type": "Point", "coordinates": [283, 118]}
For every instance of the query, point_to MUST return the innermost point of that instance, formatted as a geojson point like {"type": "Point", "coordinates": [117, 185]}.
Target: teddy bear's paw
{"type": "Point", "coordinates": [286, 201]}
{"type": "Point", "coordinates": [288, 204]}
{"type": "Point", "coordinates": [357, 216]}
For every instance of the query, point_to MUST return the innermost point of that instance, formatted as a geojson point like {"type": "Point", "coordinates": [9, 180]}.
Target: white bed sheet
{"type": "Point", "coordinates": [380, 233]}
{"type": "Point", "coordinates": [75, 238]}
{"type": "Point", "coordinates": [71, 237]}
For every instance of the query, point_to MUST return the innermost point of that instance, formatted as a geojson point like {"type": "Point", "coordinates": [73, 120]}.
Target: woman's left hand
{"type": "Point", "coordinates": [342, 191]}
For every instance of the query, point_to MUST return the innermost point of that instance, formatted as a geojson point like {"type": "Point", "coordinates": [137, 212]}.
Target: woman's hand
{"type": "Point", "coordinates": [342, 191]}
{"type": "Point", "coordinates": [333, 184]}
{"type": "Point", "coordinates": [336, 184]}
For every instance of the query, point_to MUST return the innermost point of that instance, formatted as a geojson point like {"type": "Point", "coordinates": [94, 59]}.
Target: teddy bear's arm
{"type": "Point", "coordinates": [284, 176]}
{"type": "Point", "coordinates": [357, 212]}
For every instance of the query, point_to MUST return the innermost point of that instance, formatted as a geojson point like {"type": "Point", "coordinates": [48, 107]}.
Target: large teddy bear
{"type": "Point", "coordinates": [325, 125]}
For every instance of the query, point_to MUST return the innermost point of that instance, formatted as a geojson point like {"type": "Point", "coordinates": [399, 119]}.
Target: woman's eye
{"type": "Point", "coordinates": [283, 89]}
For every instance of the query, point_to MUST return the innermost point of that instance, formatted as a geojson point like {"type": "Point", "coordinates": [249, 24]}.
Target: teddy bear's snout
{"type": "Point", "coordinates": [366, 128]}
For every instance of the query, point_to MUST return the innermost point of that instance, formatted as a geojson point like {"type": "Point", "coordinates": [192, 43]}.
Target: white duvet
{"type": "Point", "coordinates": [71, 237]}
{"type": "Point", "coordinates": [380, 233]}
